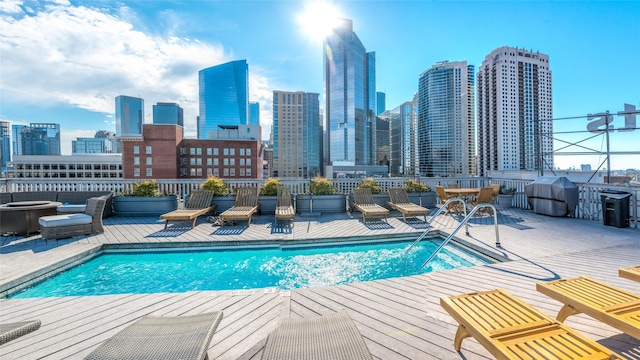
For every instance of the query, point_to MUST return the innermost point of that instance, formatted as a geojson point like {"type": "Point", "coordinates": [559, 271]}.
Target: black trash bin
{"type": "Point", "coordinates": [615, 208]}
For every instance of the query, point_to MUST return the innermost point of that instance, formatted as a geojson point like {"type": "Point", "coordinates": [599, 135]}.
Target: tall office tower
{"type": "Point", "coordinates": [129, 115]}
{"type": "Point", "coordinates": [382, 140]}
{"type": "Point", "coordinates": [297, 135]}
{"type": "Point", "coordinates": [254, 113]}
{"type": "Point", "coordinates": [104, 142]}
{"type": "Point", "coordinates": [168, 113]}
{"type": "Point", "coordinates": [403, 128]}
{"type": "Point", "coordinates": [224, 96]}
{"type": "Point", "coordinates": [36, 139]}
{"type": "Point", "coordinates": [446, 121]}
{"type": "Point", "coordinates": [514, 96]}
{"type": "Point", "coordinates": [381, 102]}
{"type": "Point", "coordinates": [5, 143]}
{"type": "Point", "coordinates": [350, 88]}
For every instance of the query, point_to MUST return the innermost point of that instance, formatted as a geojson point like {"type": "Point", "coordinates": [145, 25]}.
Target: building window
{"type": "Point", "coordinates": [192, 161]}
{"type": "Point", "coordinates": [149, 160]}
{"type": "Point", "coordinates": [209, 151]}
{"type": "Point", "coordinates": [209, 172]}
{"type": "Point", "coordinates": [136, 172]}
{"type": "Point", "coordinates": [232, 151]}
{"type": "Point", "coordinates": [248, 162]}
{"type": "Point", "coordinates": [216, 172]}
{"type": "Point", "coordinates": [248, 172]}
{"type": "Point", "coordinates": [232, 161]}
{"type": "Point", "coordinates": [225, 172]}
{"type": "Point", "coordinates": [136, 160]}
{"type": "Point", "coordinates": [225, 151]}
{"type": "Point", "coordinates": [136, 149]}
{"type": "Point", "coordinates": [192, 151]}
{"type": "Point", "coordinates": [198, 151]}
{"type": "Point", "coordinates": [199, 172]}
{"type": "Point", "coordinates": [192, 171]}
{"type": "Point", "coordinates": [226, 161]}
{"type": "Point", "coordinates": [215, 161]}
{"type": "Point", "coordinates": [232, 172]}
{"type": "Point", "coordinates": [248, 152]}
{"type": "Point", "coordinates": [149, 172]}
{"type": "Point", "coordinates": [148, 149]}
{"type": "Point", "coordinates": [199, 161]}
{"type": "Point", "coordinates": [209, 161]}
{"type": "Point", "coordinates": [241, 151]}
{"type": "Point", "coordinates": [241, 161]}
{"type": "Point", "coordinates": [215, 151]}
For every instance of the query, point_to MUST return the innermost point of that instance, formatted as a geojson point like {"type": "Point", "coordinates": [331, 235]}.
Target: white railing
{"type": "Point", "coordinates": [589, 206]}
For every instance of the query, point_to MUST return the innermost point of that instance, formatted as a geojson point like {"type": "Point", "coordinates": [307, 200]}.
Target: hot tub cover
{"type": "Point", "coordinates": [552, 195]}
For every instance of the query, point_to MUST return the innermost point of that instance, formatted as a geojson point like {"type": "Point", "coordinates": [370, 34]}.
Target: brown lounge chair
{"type": "Point", "coordinates": [245, 206]}
{"type": "Point", "coordinates": [400, 201]}
{"type": "Point", "coordinates": [284, 209]}
{"type": "Point", "coordinates": [363, 201]}
{"type": "Point", "coordinates": [199, 204]}
{"type": "Point", "coordinates": [328, 337]}
{"type": "Point", "coordinates": [611, 305]}
{"type": "Point", "coordinates": [161, 337]}
{"type": "Point", "coordinates": [509, 328]}
{"type": "Point", "coordinates": [631, 273]}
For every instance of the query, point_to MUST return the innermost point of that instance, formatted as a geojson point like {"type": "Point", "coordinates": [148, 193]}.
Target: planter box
{"type": "Point", "coordinates": [144, 206]}
{"type": "Point", "coordinates": [223, 203]}
{"type": "Point", "coordinates": [506, 201]}
{"type": "Point", "coordinates": [267, 204]}
{"type": "Point", "coordinates": [321, 203]}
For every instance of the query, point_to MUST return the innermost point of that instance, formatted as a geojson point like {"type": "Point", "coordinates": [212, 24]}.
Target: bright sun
{"type": "Point", "coordinates": [318, 18]}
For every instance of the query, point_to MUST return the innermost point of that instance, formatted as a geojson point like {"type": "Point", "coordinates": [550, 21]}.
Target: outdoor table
{"type": "Point", "coordinates": [21, 217]}
{"type": "Point", "coordinates": [466, 194]}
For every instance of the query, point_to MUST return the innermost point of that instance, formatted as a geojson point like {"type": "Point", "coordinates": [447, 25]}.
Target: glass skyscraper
{"type": "Point", "coordinates": [224, 96]}
{"type": "Point", "coordinates": [446, 120]}
{"type": "Point", "coordinates": [403, 128]}
{"type": "Point", "coordinates": [129, 115]}
{"type": "Point", "coordinates": [350, 88]}
{"type": "Point", "coordinates": [36, 139]}
{"type": "Point", "coordinates": [5, 143]}
{"type": "Point", "coordinates": [168, 113]}
{"type": "Point", "coordinates": [254, 113]}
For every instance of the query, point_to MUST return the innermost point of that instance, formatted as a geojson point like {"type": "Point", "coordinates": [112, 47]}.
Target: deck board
{"type": "Point", "coordinates": [399, 318]}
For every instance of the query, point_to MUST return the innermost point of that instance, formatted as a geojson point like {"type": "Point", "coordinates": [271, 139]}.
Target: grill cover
{"type": "Point", "coordinates": [552, 195]}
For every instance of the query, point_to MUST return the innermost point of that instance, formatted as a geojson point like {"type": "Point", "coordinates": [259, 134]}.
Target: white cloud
{"type": "Point", "coordinates": [85, 57]}
{"type": "Point", "coordinates": [11, 6]}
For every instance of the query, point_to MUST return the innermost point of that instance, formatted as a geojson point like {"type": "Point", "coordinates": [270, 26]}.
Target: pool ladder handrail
{"type": "Point", "coordinates": [466, 219]}
{"type": "Point", "coordinates": [441, 209]}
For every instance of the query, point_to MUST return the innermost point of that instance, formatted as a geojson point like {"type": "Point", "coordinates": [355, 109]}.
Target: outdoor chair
{"type": "Point", "coordinates": [495, 192]}
{"type": "Point", "coordinates": [328, 337]}
{"type": "Point", "coordinates": [454, 206]}
{"type": "Point", "coordinates": [631, 273]}
{"type": "Point", "coordinates": [400, 201]}
{"type": "Point", "coordinates": [245, 206]}
{"type": "Point", "coordinates": [484, 197]}
{"type": "Point", "coordinates": [161, 337]}
{"type": "Point", "coordinates": [284, 209]}
{"type": "Point", "coordinates": [12, 331]}
{"type": "Point", "coordinates": [363, 202]}
{"type": "Point", "coordinates": [69, 225]}
{"type": "Point", "coordinates": [199, 204]}
{"type": "Point", "coordinates": [509, 328]}
{"type": "Point", "coordinates": [608, 304]}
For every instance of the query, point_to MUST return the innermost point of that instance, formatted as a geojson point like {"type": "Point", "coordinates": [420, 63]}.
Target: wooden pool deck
{"type": "Point", "coordinates": [399, 318]}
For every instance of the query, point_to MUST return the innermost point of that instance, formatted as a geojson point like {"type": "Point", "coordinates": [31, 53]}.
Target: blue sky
{"type": "Point", "coordinates": [65, 61]}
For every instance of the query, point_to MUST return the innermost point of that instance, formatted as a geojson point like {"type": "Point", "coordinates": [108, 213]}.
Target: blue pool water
{"type": "Point", "coordinates": [285, 268]}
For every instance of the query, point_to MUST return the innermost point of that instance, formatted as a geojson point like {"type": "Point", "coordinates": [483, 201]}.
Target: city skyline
{"type": "Point", "coordinates": [153, 50]}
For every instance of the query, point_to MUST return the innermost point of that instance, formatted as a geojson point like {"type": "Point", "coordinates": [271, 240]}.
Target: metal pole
{"type": "Point", "coordinates": [608, 154]}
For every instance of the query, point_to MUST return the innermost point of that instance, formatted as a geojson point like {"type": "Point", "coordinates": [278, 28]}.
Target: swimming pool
{"type": "Point", "coordinates": [283, 267]}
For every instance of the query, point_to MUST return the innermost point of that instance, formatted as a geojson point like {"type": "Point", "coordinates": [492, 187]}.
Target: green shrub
{"type": "Point", "coordinates": [370, 183]}
{"type": "Point", "coordinates": [270, 187]}
{"type": "Point", "coordinates": [147, 188]}
{"type": "Point", "coordinates": [322, 186]}
{"type": "Point", "coordinates": [413, 185]}
{"type": "Point", "coordinates": [217, 185]}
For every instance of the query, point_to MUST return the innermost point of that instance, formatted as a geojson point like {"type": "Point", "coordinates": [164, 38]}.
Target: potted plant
{"type": "Point", "coordinates": [222, 194]}
{"type": "Point", "coordinates": [322, 197]}
{"type": "Point", "coordinates": [378, 197]}
{"type": "Point", "coordinates": [420, 193]}
{"type": "Point", "coordinates": [144, 200]}
{"type": "Point", "coordinates": [505, 196]}
{"type": "Point", "coordinates": [268, 196]}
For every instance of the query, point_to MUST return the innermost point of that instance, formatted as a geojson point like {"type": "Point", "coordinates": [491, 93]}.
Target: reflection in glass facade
{"type": "Point", "coordinates": [350, 90]}
{"type": "Point", "coordinates": [129, 115]}
{"type": "Point", "coordinates": [224, 96]}
{"type": "Point", "coordinates": [36, 139]}
{"type": "Point", "coordinates": [5, 144]}
{"type": "Point", "coordinates": [254, 113]}
{"type": "Point", "coordinates": [403, 122]}
{"type": "Point", "coordinates": [297, 135]}
{"type": "Point", "coordinates": [168, 113]}
{"type": "Point", "coordinates": [446, 124]}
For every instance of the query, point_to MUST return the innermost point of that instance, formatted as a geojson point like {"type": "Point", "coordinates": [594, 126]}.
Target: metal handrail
{"type": "Point", "coordinates": [441, 209]}
{"type": "Point", "coordinates": [466, 219]}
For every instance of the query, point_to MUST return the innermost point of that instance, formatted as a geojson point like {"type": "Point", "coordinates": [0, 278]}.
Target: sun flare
{"type": "Point", "coordinates": [318, 19]}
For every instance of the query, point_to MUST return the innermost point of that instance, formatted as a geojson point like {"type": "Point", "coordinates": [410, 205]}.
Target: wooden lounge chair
{"type": "Point", "coordinates": [245, 206]}
{"type": "Point", "coordinates": [611, 305]}
{"type": "Point", "coordinates": [199, 204]}
{"type": "Point", "coordinates": [400, 201]}
{"type": "Point", "coordinates": [484, 197]}
{"type": "Point", "coordinates": [328, 337]}
{"type": "Point", "coordinates": [284, 209]}
{"type": "Point", "coordinates": [631, 273]}
{"type": "Point", "coordinates": [509, 328]}
{"type": "Point", "coordinates": [363, 201]}
{"type": "Point", "coordinates": [454, 206]}
{"type": "Point", "coordinates": [161, 337]}
{"type": "Point", "coordinates": [12, 331]}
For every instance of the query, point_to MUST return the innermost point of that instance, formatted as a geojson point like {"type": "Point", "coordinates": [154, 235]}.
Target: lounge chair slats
{"type": "Point", "coordinates": [363, 202]}
{"type": "Point", "coordinates": [284, 209]}
{"type": "Point", "coordinates": [161, 337]}
{"type": "Point", "coordinates": [611, 305]}
{"type": "Point", "coordinates": [245, 206]}
{"type": "Point", "coordinates": [509, 328]}
{"type": "Point", "coordinates": [199, 204]}
{"type": "Point", "coordinates": [631, 273]}
{"type": "Point", "coordinates": [399, 200]}
{"type": "Point", "coordinates": [329, 337]}
{"type": "Point", "coordinates": [12, 331]}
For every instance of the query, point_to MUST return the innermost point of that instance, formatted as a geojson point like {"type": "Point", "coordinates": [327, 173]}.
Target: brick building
{"type": "Point", "coordinates": [162, 153]}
